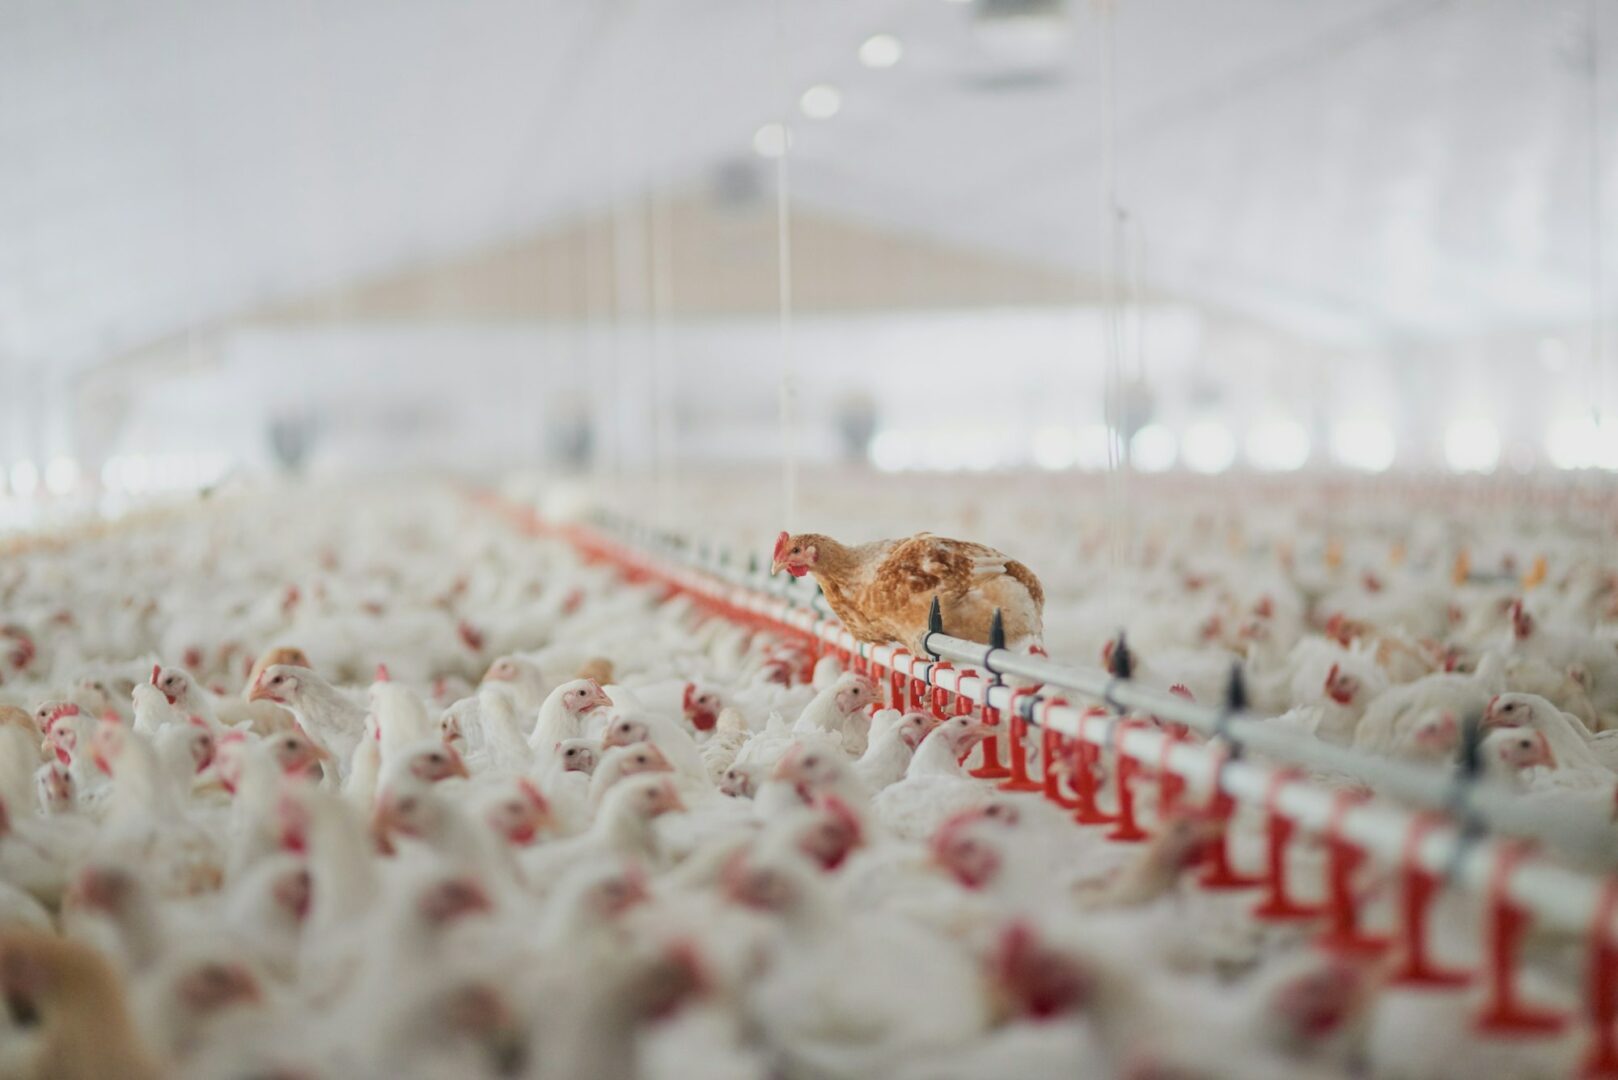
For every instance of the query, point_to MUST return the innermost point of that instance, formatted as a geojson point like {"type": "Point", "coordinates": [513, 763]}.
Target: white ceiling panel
{"type": "Point", "coordinates": [1360, 170]}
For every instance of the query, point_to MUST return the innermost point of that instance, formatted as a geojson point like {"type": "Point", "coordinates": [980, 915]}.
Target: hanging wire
{"type": "Point", "coordinates": [1598, 296]}
{"type": "Point", "coordinates": [783, 247]}
{"type": "Point", "coordinates": [664, 417]}
{"type": "Point", "coordinates": [1117, 497]}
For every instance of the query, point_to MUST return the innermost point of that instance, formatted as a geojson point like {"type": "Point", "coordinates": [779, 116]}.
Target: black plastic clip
{"type": "Point", "coordinates": [935, 625]}
{"type": "Point", "coordinates": [997, 640]}
{"type": "Point", "coordinates": [1458, 803]}
{"type": "Point", "coordinates": [1235, 702]}
{"type": "Point", "coordinates": [1121, 666]}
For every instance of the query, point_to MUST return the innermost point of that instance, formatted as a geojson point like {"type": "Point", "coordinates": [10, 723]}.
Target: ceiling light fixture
{"type": "Point", "coordinates": [881, 51]}
{"type": "Point", "coordinates": [821, 102]}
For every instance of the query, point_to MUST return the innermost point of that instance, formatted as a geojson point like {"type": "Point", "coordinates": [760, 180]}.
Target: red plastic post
{"type": "Point", "coordinates": [1220, 873]}
{"type": "Point", "coordinates": [1170, 785]}
{"type": "Point", "coordinates": [1343, 935]}
{"type": "Point", "coordinates": [1419, 887]}
{"type": "Point", "coordinates": [1278, 828]}
{"type": "Point", "coordinates": [918, 689]}
{"type": "Point", "coordinates": [1016, 737]}
{"type": "Point", "coordinates": [1601, 1059]}
{"type": "Point", "coordinates": [1127, 830]}
{"type": "Point", "coordinates": [991, 769]}
{"type": "Point", "coordinates": [1504, 1013]}
{"type": "Point", "coordinates": [896, 687]}
{"type": "Point", "coordinates": [1086, 755]}
{"type": "Point", "coordinates": [1053, 745]}
{"type": "Point", "coordinates": [939, 695]}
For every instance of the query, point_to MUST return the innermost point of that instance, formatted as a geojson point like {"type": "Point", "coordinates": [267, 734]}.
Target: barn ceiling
{"type": "Point", "coordinates": [1360, 171]}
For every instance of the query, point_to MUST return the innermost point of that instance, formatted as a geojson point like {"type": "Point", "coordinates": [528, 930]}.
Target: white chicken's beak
{"type": "Point", "coordinates": [384, 823]}
{"type": "Point", "coordinates": [597, 697]}
{"type": "Point", "coordinates": [787, 767]}
{"type": "Point", "coordinates": [972, 736]}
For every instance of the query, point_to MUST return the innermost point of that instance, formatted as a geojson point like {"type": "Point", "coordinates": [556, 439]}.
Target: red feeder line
{"type": "Point", "coordinates": [1053, 744]}
{"type": "Point", "coordinates": [1086, 755]}
{"type": "Point", "coordinates": [896, 687]}
{"type": "Point", "coordinates": [1017, 733]}
{"type": "Point", "coordinates": [939, 695]}
{"type": "Point", "coordinates": [938, 700]}
{"type": "Point", "coordinates": [878, 674]}
{"type": "Point", "coordinates": [1504, 1013]}
{"type": "Point", "coordinates": [991, 769]}
{"type": "Point", "coordinates": [1170, 784]}
{"type": "Point", "coordinates": [1343, 935]}
{"type": "Point", "coordinates": [1419, 888]}
{"type": "Point", "coordinates": [1220, 874]}
{"type": "Point", "coordinates": [1601, 1060]}
{"type": "Point", "coordinates": [1127, 830]}
{"type": "Point", "coordinates": [1278, 902]}
{"type": "Point", "coordinates": [917, 700]}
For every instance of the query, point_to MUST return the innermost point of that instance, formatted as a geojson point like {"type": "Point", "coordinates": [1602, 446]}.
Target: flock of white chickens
{"type": "Point", "coordinates": [387, 788]}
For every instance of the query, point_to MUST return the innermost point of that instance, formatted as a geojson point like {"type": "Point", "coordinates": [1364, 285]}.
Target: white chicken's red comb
{"type": "Point", "coordinates": [531, 792]}
{"type": "Point", "coordinates": [845, 815]}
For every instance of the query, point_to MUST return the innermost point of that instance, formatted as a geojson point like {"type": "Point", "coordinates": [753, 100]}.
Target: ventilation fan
{"type": "Point", "coordinates": [1022, 42]}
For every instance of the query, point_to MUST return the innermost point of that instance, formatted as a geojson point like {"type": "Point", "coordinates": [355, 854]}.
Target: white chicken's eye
{"type": "Point", "coordinates": [811, 761]}
{"type": "Point", "coordinates": [407, 806]}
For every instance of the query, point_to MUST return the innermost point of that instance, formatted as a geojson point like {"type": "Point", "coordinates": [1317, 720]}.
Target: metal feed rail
{"type": "Point", "coordinates": [1452, 851]}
